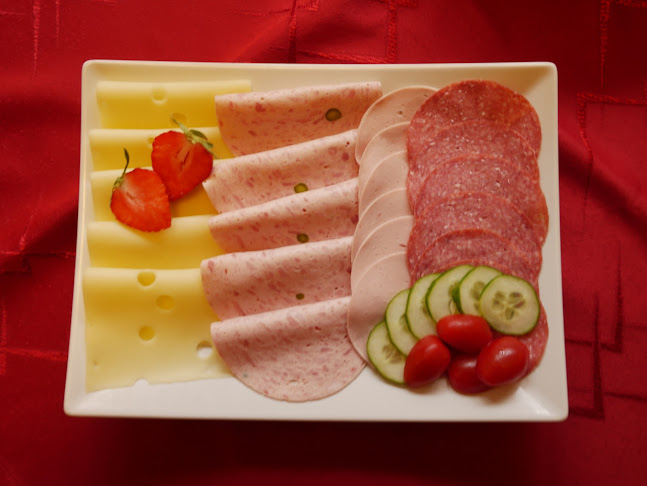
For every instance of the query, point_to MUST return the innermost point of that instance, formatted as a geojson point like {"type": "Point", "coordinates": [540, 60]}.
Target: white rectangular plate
{"type": "Point", "coordinates": [542, 396]}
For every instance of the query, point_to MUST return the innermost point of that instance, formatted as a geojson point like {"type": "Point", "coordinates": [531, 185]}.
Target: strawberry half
{"type": "Point", "coordinates": [182, 159]}
{"type": "Point", "coordinates": [139, 200]}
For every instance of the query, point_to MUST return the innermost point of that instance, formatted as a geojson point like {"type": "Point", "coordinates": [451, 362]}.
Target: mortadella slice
{"type": "Point", "coordinates": [294, 354]}
{"type": "Point", "coordinates": [389, 174]}
{"type": "Point", "coordinates": [257, 178]}
{"type": "Point", "coordinates": [258, 121]}
{"type": "Point", "coordinates": [386, 141]}
{"type": "Point", "coordinates": [321, 214]}
{"type": "Point", "coordinates": [379, 284]}
{"type": "Point", "coordinates": [395, 107]}
{"type": "Point", "coordinates": [242, 283]}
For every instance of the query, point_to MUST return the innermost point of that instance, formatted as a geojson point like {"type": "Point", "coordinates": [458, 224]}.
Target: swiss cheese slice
{"type": "Point", "coordinates": [184, 245]}
{"type": "Point", "coordinates": [107, 146]}
{"type": "Point", "coordinates": [125, 104]}
{"type": "Point", "coordinates": [151, 325]}
{"type": "Point", "coordinates": [194, 203]}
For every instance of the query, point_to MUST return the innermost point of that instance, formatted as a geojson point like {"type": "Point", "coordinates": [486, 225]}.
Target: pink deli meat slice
{"type": "Point", "coordinates": [294, 354]}
{"type": "Point", "coordinates": [321, 214]}
{"type": "Point", "coordinates": [474, 210]}
{"type": "Point", "coordinates": [387, 238]}
{"type": "Point", "coordinates": [389, 174]}
{"type": "Point", "coordinates": [474, 100]}
{"type": "Point", "coordinates": [381, 281]}
{"type": "Point", "coordinates": [242, 283]}
{"type": "Point", "coordinates": [388, 206]}
{"type": "Point", "coordinates": [483, 137]}
{"type": "Point", "coordinates": [258, 121]}
{"type": "Point", "coordinates": [473, 247]}
{"type": "Point", "coordinates": [386, 141]}
{"type": "Point", "coordinates": [257, 178]}
{"type": "Point", "coordinates": [479, 173]}
{"type": "Point", "coordinates": [395, 107]}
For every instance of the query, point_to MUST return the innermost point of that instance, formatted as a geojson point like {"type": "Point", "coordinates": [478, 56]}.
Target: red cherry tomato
{"type": "Point", "coordinates": [464, 332]}
{"type": "Point", "coordinates": [426, 362]}
{"type": "Point", "coordinates": [462, 375]}
{"type": "Point", "coordinates": [502, 360]}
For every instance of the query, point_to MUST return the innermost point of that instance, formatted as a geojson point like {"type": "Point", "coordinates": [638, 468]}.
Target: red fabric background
{"type": "Point", "coordinates": [600, 49]}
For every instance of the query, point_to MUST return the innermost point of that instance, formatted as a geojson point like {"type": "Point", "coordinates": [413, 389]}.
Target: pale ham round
{"type": "Point", "coordinates": [381, 281]}
{"type": "Point", "coordinates": [258, 121]}
{"type": "Point", "coordinates": [387, 238]}
{"type": "Point", "coordinates": [257, 178]}
{"type": "Point", "coordinates": [321, 214]}
{"type": "Point", "coordinates": [395, 107]}
{"type": "Point", "coordinates": [242, 283]}
{"type": "Point", "coordinates": [295, 354]}
{"type": "Point", "coordinates": [386, 141]}
{"type": "Point", "coordinates": [389, 174]}
{"type": "Point", "coordinates": [388, 206]}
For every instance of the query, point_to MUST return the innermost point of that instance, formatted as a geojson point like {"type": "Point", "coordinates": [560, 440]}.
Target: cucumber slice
{"type": "Point", "coordinates": [510, 305]}
{"type": "Point", "coordinates": [387, 360]}
{"type": "Point", "coordinates": [467, 294]}
{"type": "Point", "coordinates": [439, 297]}
{"type": "Point", "coordinates": [396, 323]}
{"type": "Point", "coordinates": [420, 322]}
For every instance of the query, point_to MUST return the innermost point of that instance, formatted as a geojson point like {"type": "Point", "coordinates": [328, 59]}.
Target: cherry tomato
{"type": "Point", "coordinates": [502, 360]}
{"type": "Point", "coordinates": [462, 375]}
{"type": "Point", "coordinates": [427, 361]}
{"type": "Point", "coordinates": [464, 332]}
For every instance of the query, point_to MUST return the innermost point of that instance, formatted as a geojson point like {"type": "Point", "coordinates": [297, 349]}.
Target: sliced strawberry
{"type": "Point", "coordinates": [139, 200]}
{"type": "Point", "coordinates": [182, 159]}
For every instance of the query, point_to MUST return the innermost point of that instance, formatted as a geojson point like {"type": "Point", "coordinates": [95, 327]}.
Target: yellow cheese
{"type": "Point", "coordinates": [147, 324]}
{"type": "Point", "coordinates": [125, 104]}
{"type": "Point", "coordinates": [194, 203]}
{"type": "Point", "coordinates": [107, 146]}
{"type": "Point", "coordinates": [184, 245]}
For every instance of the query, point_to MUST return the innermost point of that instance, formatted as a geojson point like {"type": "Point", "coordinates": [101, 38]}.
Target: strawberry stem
{"type": "Point", "coordinates": [196, 136]}
{"type": "Point", "coordinates": [120, 179]}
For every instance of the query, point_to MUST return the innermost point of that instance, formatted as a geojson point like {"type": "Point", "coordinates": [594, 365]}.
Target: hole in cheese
{"type": "Point", "coordinates": [179, 117]}
{"type": "Point", "coordinates": [204, 349]}
{"type": "Point", "coordinates": [146, 278]}
{"type": "Point", "coordinates": [159, 94]}
{"type": "Point", "coordinates": [146, 333]}
{"type": "Point", "coordinates": [165, 302]}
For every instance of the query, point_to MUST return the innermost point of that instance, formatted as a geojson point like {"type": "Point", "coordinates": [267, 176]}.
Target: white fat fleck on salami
{"type": "Point", "coordinates": [389, 174]}
{"type": "Point", "coordinates": [479, 173]}
{"type": "Point", "coordinates": [390, 205]}
{"type": "Point", "coordinates": [257, 178]}
{"type": "Point", "coordinates": [377, 286]}
{"type": "Point", "coordinates": [395, 107]}
{"type": "Point", "coordinates": [474, 100]}
{"type": "Point", "coordinates": [243, 283]}
{"type": "Point", "coordinates": [488, 138]}
{"type": "Point", "coordinates": [473, 247]}
{"type": "Point", "coordinates": [474, 210]}
{"type": "Point", "coordinates": [294, 354]}
{"type": "Point", "coordinates": [321, 214]}
{"type": "Point", "coordinates": [258, 121]}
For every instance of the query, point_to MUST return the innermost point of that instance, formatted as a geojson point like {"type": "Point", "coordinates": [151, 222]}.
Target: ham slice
{"type": "Point", "coordinates": [258, 121]}
{"type": "Point", "coordinates": [321, 214]}
{"type": "Point", "coordinates": [257, 178]}
{"type": "Point", "coordinates": [294, 354]}
{"type": "Point", "coordinates": [238, 284]}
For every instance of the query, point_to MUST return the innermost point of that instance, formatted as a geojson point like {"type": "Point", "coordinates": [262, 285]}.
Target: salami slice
{"type": "Point", "coordinates": [395, 107]}
{"type": "Point", "coordinates": [257, 178]}
{"type": "Point", "coordinates": [294, 354]}
{"type": "Point", "coordinates": [242, 283]}
{"type": "Point", "coordinates": [474, 100]}
{"type": "Point", "coordinates": [321, 214]}
{"type": "Point", "coordinates": [474, 210]}
{"type": "Point", "coordinates": [474, 247]}
{"type": "Point", "coordinates": [258, 121]}
{"type": "Point", "coordinates": [478, 173]}
{"type": "Point", "coordinates": [485, 137]}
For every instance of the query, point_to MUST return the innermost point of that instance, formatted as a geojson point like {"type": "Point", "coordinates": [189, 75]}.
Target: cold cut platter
{"type": "Point", "coordinates": [318, 242]}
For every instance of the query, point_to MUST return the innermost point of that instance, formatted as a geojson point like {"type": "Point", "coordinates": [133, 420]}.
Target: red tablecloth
{"type": "Point", "coordinates": [600, 49]}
